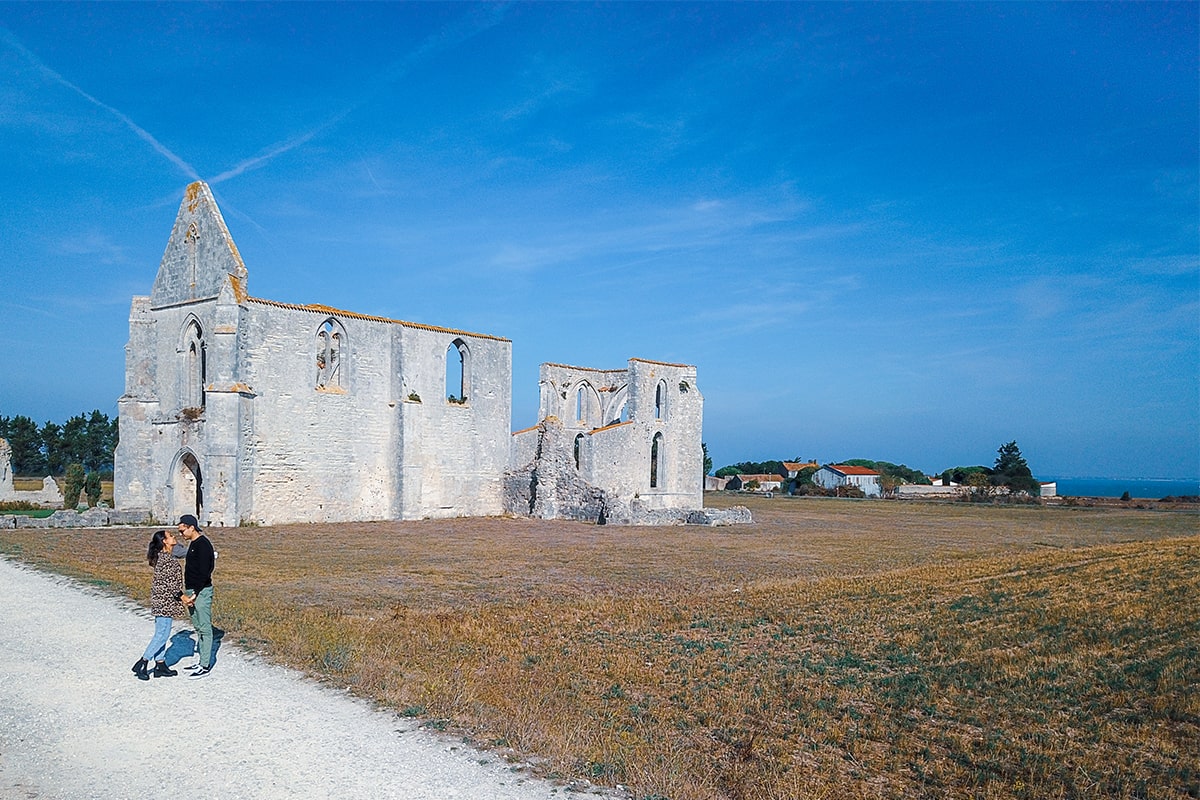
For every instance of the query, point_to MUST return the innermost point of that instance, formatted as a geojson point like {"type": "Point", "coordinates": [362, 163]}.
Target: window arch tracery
{"type": "Point", "coordinates": [660, 400]}
{"type": "Point", "coordinates": [331, 354]}
{"type": "Point", "coordinates": [194, 365]}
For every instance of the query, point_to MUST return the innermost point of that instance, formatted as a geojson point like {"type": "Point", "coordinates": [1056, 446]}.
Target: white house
{"type": "Point", "coordinates": [831, 476]}
{"type": "Point", "coordinates": [766, 482]}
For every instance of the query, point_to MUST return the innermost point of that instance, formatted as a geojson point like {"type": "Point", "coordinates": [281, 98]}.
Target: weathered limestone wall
{"type": "Point", "coordinates": [318, 454]}
{"type": "Point", "coordinates": [252, 411]}
{"type": "Point", "coordinates": [200, 253]}
{"type": "Point", "coordinates": [453, 454]}
{"type": "Point", "coordinates": [612, 443]}
{"type": "Point", "coordinates": [367, 449]}
{"type": "Point", "coordinates": [6, 475]}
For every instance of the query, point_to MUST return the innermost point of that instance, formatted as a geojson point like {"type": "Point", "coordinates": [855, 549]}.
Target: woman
{"type": "Point", "coordinates": [165, 591]}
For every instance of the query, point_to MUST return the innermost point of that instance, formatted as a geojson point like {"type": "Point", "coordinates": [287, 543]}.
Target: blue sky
{"type": "Point", "coordinates": [891, 231]}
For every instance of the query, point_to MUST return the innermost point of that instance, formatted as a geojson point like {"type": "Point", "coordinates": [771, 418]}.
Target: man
{"type": "Point", "coordinates": [198, 589]}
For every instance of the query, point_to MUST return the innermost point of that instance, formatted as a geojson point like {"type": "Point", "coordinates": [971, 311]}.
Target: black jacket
{"type": "Point", "coordinates": [198, 568]}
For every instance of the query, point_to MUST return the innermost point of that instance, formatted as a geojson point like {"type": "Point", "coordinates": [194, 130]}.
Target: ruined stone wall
{"type": "Point", "coordinates": [254, 411]}
{"type": "Point", "coordinates": [665, 401]}
{"type": "Point", "coordinates": [453, 453]}
{"type": "Point", "coordinates": [6, 475]}
{"type": "Point", "coordinates": [133, 475]}
{"type": "Point", "coordinates": [631, 435]}
{"type": "Point", "coordinates": [383, 442]}
{"type": "Point", "coordinates": [159, 415]}
{"type": "Point", "coordinates": [318, 453]}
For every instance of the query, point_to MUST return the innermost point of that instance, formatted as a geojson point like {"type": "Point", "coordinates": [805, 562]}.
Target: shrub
{"type": "Point", "coordinates": [92, 488]}
{"type": "Point", "coordinates": [74, 480]}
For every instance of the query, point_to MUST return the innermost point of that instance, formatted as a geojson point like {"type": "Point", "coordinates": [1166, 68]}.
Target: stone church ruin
{"type": "Point", "coordinates": [242, 411]}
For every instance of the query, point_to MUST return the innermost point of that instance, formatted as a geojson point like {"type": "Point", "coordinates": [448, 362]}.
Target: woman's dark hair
{"type": "Point", "coordinates": [156, 547]}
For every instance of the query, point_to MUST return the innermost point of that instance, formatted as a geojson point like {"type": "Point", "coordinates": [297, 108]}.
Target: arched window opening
{"type": "Point", "coordinates": [618, 407]}
{"type": "Point", "coordinates": [578, 446]}
{"type": "Point", "coordinates": [588, 412]}
{"type": "Point", "coordinates": [622, 413]}
{"type": "Point", "coordinates": [192, 238]}
{"type": "Point", "coordinates": [331, 355]}
{"type": "Point", "coordinates": [660, 400]}
{"type": "Point", "coordinates": [656, 461]}
{"type": "Point", "coordinates": [194, 367]}
{"type": "Point", "coordinates": [457, 371]}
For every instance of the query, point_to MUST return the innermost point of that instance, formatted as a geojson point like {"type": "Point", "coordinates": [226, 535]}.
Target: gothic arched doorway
{"type": "Point", "coordinates": [187, 486]}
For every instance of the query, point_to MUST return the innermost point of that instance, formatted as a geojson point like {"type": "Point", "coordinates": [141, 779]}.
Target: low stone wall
{"type": "Point", "coordinates": [736, 515]}
{"type": "Point", "coordinates": [92, 518]}
{"type": "Point", "coordinates": [48, 495]}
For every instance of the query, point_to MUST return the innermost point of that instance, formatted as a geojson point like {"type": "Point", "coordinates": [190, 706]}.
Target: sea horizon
{"type": "Point", "coordinates": [1152, 488]}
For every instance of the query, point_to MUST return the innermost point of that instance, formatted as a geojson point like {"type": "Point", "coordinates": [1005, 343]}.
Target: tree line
{"type": "Point", "coordinates": [1009, 471]}
{"type": "Point", "coordinates": [88, 440]}
{"type": "Point", "coordinates": [900, 472]}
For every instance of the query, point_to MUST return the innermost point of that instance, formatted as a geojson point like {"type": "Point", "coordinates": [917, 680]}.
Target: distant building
{"type": "Point", "coordinates": [794, 468]}
{"type": "Point", "coordinates": [714, 484]}
{"type": "Point", "coordinates": [765, 482]}
{"type": "Point", "coordinates": [831, 476]}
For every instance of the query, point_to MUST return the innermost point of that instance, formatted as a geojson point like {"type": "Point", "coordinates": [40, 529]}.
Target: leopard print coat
{"type": "Point", "coordinates": [164, 589]}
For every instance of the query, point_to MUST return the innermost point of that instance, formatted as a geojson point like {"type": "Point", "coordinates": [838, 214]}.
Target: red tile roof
{"type": "Point", "coordinates": [847, 469]}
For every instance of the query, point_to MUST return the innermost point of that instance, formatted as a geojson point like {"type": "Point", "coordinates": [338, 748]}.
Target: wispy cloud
{"type": "Point", "coordinates": [707, 223]}
{"type": "Point", "coordinates": [95, 244]}
{"type": "Point", "coordinates": [12, 42]}
{"type": "Point", "coordinates": [468, 27]}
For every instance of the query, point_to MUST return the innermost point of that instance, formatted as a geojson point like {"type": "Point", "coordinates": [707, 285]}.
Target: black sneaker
{"type": "Point", "coordinates": [200, 673]}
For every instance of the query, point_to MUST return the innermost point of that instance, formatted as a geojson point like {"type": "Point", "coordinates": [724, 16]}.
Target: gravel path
{"type": "Point", "coordinates": [75, 723]}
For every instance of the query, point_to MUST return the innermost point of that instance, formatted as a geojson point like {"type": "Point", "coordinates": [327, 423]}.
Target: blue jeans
{"type": "Point", "coordinates": [157, 649]}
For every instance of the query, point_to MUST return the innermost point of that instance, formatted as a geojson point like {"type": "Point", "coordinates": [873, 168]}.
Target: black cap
{"type": "Point", "coordinates": [189, 520]}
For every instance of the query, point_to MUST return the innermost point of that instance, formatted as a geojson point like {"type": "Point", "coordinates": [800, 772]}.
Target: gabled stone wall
{"type": "Point", "coordinates": [246, 410]}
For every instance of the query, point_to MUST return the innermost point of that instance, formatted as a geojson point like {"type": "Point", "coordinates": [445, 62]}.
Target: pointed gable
{"type": "Point", "coordinates": [200, 254]}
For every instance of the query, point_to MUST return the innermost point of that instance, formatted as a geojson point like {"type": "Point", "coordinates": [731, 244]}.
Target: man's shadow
{"type": "Point", "coordinates": [182, 644]}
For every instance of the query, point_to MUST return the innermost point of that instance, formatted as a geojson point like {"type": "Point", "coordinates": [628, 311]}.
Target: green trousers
{"type": "Point", "coordinates": [201, 614]}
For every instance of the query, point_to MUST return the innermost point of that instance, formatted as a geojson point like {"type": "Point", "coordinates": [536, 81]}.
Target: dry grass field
{"type": "Point", "coordinates": [832, 649]}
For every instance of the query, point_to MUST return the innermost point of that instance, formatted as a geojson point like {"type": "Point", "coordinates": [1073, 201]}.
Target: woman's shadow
{"type": "Point", "coordinates": [182, 644]}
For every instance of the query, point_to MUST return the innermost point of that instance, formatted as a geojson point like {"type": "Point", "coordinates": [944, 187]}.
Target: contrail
{"type": "Point", "coordinates": [279, 149]}
{"type": "Point", "coordinates": [142, 133]}
{"type": "Point", "coordinates": [471, 25]}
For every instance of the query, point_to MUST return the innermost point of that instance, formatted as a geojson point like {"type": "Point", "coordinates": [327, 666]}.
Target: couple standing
{"type": "Point", "coordinates": [173, 590]}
